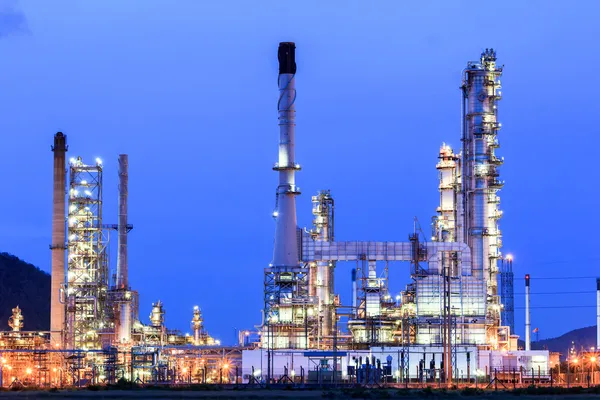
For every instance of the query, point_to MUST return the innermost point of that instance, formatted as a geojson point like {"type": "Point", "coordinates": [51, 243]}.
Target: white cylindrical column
{"type": "Point", "coordinates": [527, 315]}
{"type": "Point", "coordinates": [285, 253]}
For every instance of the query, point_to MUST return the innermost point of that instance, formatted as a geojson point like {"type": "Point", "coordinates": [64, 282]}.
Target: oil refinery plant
{"type": "Point", "coordinates": [453, 321]}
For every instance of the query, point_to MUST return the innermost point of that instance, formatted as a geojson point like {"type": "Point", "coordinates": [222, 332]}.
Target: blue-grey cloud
{"type": "Point", "coordinates": [12, 19]}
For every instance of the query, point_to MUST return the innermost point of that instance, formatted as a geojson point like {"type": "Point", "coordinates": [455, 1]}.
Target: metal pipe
{"type": "Point", "coordinates": [122, 261]}
{"type": "Point", "coordinates": [57, 309]}
{"type": "Point", "coordinates": [527, 315]}
{"type": "Point", "coordinates": [597, 313]}
{"type": "Point", "coordinates": [354, 292]}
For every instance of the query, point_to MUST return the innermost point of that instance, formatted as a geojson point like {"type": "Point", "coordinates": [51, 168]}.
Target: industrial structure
{"type": "Point", "coordinates": [452, 320]}
{"type": "Point", "coordinates": [452, 309]}
{"type": "Point", "coordinates": [96, 335]}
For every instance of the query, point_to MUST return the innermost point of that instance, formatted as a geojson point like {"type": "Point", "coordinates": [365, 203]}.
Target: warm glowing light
{"type": "Point", "coordinates": [593, 359]}
{"type": "Point", "coordinates": [225, 366]}
{"type": "Point", "coordinates": [28, 370]}
{"type": "Point", "coordinates": [575, 361]}
{"type": "Point", "coordinates": [509, 257]}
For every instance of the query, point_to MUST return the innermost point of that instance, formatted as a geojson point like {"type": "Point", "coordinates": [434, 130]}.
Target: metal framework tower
{"type": "Point", "coordinates": [87, 269]}
{"type": "Point", "coordinates": [288, 309]}
{"type": "Point", "coordinates": [57, 309]}
{"type": "Point", "coordinates": [480, 182]}
{"type": "Point", "coordinates": [507, 291]}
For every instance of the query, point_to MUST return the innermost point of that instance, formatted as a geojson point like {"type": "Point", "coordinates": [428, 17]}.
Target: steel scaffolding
{"type": "Point", "coordinates": [87, 267]}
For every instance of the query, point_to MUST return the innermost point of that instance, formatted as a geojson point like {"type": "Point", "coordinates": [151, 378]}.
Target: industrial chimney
{"type": "Point", "coordinates": [597, 313]}
{"type": "Point", "coordinates": [354, 293]}
{"type": "Point", "coordinates": [527, 315]}
{"type": "Point", "coordinates": [57, 248]}
{"type": "Point", "coordinates": [122, 267]}
{"type": "Point", "coordinates": [285, 253]}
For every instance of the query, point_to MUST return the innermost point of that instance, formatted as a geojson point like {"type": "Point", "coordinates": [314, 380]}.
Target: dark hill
{"type": "Point", "coordinates": [24, 285]}
{"type": "Point", "coordinates": [583, 338]}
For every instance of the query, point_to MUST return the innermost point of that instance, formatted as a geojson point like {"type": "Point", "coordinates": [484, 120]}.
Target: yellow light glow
{"type": "Point", "coordinates": [28, 371]}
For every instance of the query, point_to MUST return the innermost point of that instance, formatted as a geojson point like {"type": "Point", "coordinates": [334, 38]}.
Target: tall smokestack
{"type": "Point", "coordinates": [285, 253]}
{"type": "Point", "coordinates": [527, 315]}
{"type": "Point", "coordinates": [597, 313]}
{"type": "Point", "coordinates": [122, 267]}
{"type": "Point", "coordinates": [57, 248]}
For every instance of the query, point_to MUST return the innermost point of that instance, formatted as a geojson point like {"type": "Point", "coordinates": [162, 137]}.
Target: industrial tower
{"type": "Point", "coordinates": [87, 268]}
{"type": "Point", "coordinates": [289, 311]}
{"type": "Point", "coordinates": [480, 184]}
{"type": "Point", "coordinates": [57, 309]}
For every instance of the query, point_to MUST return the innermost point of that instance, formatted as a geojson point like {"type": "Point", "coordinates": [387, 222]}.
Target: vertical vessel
{"type": "Point", "coordinates": [480, 184]}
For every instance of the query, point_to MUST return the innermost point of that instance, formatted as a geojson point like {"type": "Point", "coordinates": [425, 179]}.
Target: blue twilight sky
{"type": "Point", "coordinates": [188, 89]}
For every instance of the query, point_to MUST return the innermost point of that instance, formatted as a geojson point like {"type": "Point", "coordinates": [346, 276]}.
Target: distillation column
{"type": "Point", "coordinates": [57, 309]}
{"type": "Point", "coordinates": [480, 172]}
{"type": "Point", "coordinates": [446, 222]}
{"type": "Point", "coordinates": [323, 207]}
{"type": "Point", "coordinates": [124, 333]}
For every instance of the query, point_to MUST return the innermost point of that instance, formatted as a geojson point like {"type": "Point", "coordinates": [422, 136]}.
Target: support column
{"type": "Point", "coordinates": [527, 315]}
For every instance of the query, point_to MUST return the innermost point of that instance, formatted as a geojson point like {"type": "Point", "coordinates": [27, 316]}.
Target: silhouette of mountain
{"type": "Point", "coordinates": [584, 338]}
{"type": "Point", "coordinates": [24, 285]}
